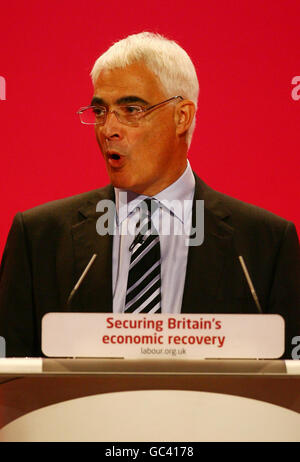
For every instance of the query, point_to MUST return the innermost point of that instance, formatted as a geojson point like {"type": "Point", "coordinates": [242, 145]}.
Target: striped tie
{"type": "Point", "coordinates": [144, 283]}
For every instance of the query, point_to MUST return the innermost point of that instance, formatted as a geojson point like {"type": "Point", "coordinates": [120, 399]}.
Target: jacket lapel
{"type": "Point", "coordinates": [204, 280]}
{"type": "Point", "coordinates": [95, 292]}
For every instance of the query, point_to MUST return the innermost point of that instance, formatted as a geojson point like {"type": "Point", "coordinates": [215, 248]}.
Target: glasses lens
{"type": "Point", "coordinates": [93, 115]}
{"type": "Point", "coordinates": [129, 115]}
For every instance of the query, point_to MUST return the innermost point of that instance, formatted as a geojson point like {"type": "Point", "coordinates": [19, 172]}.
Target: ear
{"type": "Point", "coordinates": [184, 115]}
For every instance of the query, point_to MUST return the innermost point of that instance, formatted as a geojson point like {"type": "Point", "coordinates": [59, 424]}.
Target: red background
{"type": "Point", "coordinates": [246, 53]}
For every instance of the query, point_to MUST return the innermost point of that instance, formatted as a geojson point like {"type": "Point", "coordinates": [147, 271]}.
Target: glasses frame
{"type": "Point", "coordinates": [142, 112]}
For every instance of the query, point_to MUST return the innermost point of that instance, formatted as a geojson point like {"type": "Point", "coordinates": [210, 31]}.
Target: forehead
{"type": "Point", "coordinates": [135, 79]}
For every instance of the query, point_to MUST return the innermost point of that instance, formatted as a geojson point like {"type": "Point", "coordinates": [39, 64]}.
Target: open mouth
{"type": "Point", "coordinates": [114, 156]}
{"type": "Point", "coordinates": [115, 160]}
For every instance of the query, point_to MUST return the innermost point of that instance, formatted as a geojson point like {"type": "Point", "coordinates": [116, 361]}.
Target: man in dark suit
{"type": "Point", "coordinates": [145, 98]}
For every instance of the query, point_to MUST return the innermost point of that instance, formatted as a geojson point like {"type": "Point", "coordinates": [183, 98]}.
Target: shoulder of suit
{"type": "Point", "coordinates": [237, 210]}
{"type": "Point", "coordinates": [64, 209]}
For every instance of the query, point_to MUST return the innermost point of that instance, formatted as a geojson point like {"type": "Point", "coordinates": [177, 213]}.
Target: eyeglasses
{"type": "Point", "coordinates": [129, 114]}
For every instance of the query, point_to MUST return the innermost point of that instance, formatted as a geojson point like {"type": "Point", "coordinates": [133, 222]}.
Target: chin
{"type": "Point", "coordinates": [128, 182]}
{"type": "Point", "coordinates": [120, 182]}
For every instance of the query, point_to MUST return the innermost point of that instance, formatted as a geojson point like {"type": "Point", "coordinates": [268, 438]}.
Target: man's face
{"type": "Point", "coordinates": [145, 158]}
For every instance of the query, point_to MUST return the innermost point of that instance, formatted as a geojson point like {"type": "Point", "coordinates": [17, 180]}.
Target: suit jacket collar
{"type": "Point", "coordinates": [95, 292]}
{"type": "Point", "coordinates": [206, 262]}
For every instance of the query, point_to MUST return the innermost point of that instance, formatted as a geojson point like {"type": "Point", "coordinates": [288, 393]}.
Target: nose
{"type": "Point", "coordinates": [112, 127]}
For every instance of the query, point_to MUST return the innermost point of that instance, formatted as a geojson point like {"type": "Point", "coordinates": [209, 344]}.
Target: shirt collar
{"type": "Point", "coordinates": [181, 190]}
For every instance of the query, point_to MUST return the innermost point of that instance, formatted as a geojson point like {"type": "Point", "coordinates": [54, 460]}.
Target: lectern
{"type": "Point", "coordinates": [118, 400]}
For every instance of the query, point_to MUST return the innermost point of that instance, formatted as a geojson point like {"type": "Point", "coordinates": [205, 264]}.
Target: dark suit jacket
{"type": "Point", "coordinates": [49, 246]}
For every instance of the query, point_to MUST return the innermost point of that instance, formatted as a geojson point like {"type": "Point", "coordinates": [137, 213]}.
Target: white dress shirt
{"type": "Point", "coordinates": [174, 225]}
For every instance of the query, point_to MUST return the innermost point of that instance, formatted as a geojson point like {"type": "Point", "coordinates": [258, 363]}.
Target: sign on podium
{"type": "Point", "coordinates": [163, 336]}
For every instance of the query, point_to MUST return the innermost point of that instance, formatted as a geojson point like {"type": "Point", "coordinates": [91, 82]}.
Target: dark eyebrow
{"type": "Point", "coordinates": [132, 99]}
{"type": "Point", "coordinates": [98, 101]}
{"type": "Point", "coordinates": [123, 100]}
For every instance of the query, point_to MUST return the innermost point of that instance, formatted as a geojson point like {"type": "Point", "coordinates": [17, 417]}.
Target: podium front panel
{"type": "Point", "coordinates": [129, 400]}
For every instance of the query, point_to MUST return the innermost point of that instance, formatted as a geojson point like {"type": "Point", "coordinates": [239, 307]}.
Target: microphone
{"type": "Point", "coordinates": [76, 287]}
{"type": "Point", "coordinates": [139, 239]}
{"type": "Point", "coordinates": [250, 284]}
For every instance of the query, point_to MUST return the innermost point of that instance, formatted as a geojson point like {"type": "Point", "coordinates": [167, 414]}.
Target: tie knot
{"type": "Point", "coordinates": [152, 205]}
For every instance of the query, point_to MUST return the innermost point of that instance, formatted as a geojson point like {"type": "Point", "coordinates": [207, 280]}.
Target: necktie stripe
{"type": "Point", "coordinates": [145, 297]}
{"type": "Point", "coordinates": [143, 265]}
{"type": "Point", "coordinates": [155, 308]}
{"type": "Point", "coordinates": [137, 286]}
{"type": "Point", "coordinates": [143, 246]}
{"type": "Point", "coordinates": [144, 251]}
{"type": "Point", "coordinates": [150, 304]}
{"type": "Point", "coordinates": [145, 302]}
{"type": "Point", "coordinates": [145, 236]}
{"type": "Point", "coordinates": [144, 291]}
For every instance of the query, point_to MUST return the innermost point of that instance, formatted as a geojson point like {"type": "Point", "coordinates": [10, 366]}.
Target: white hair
{"type": "Point", "coordinates": [164, 57]}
